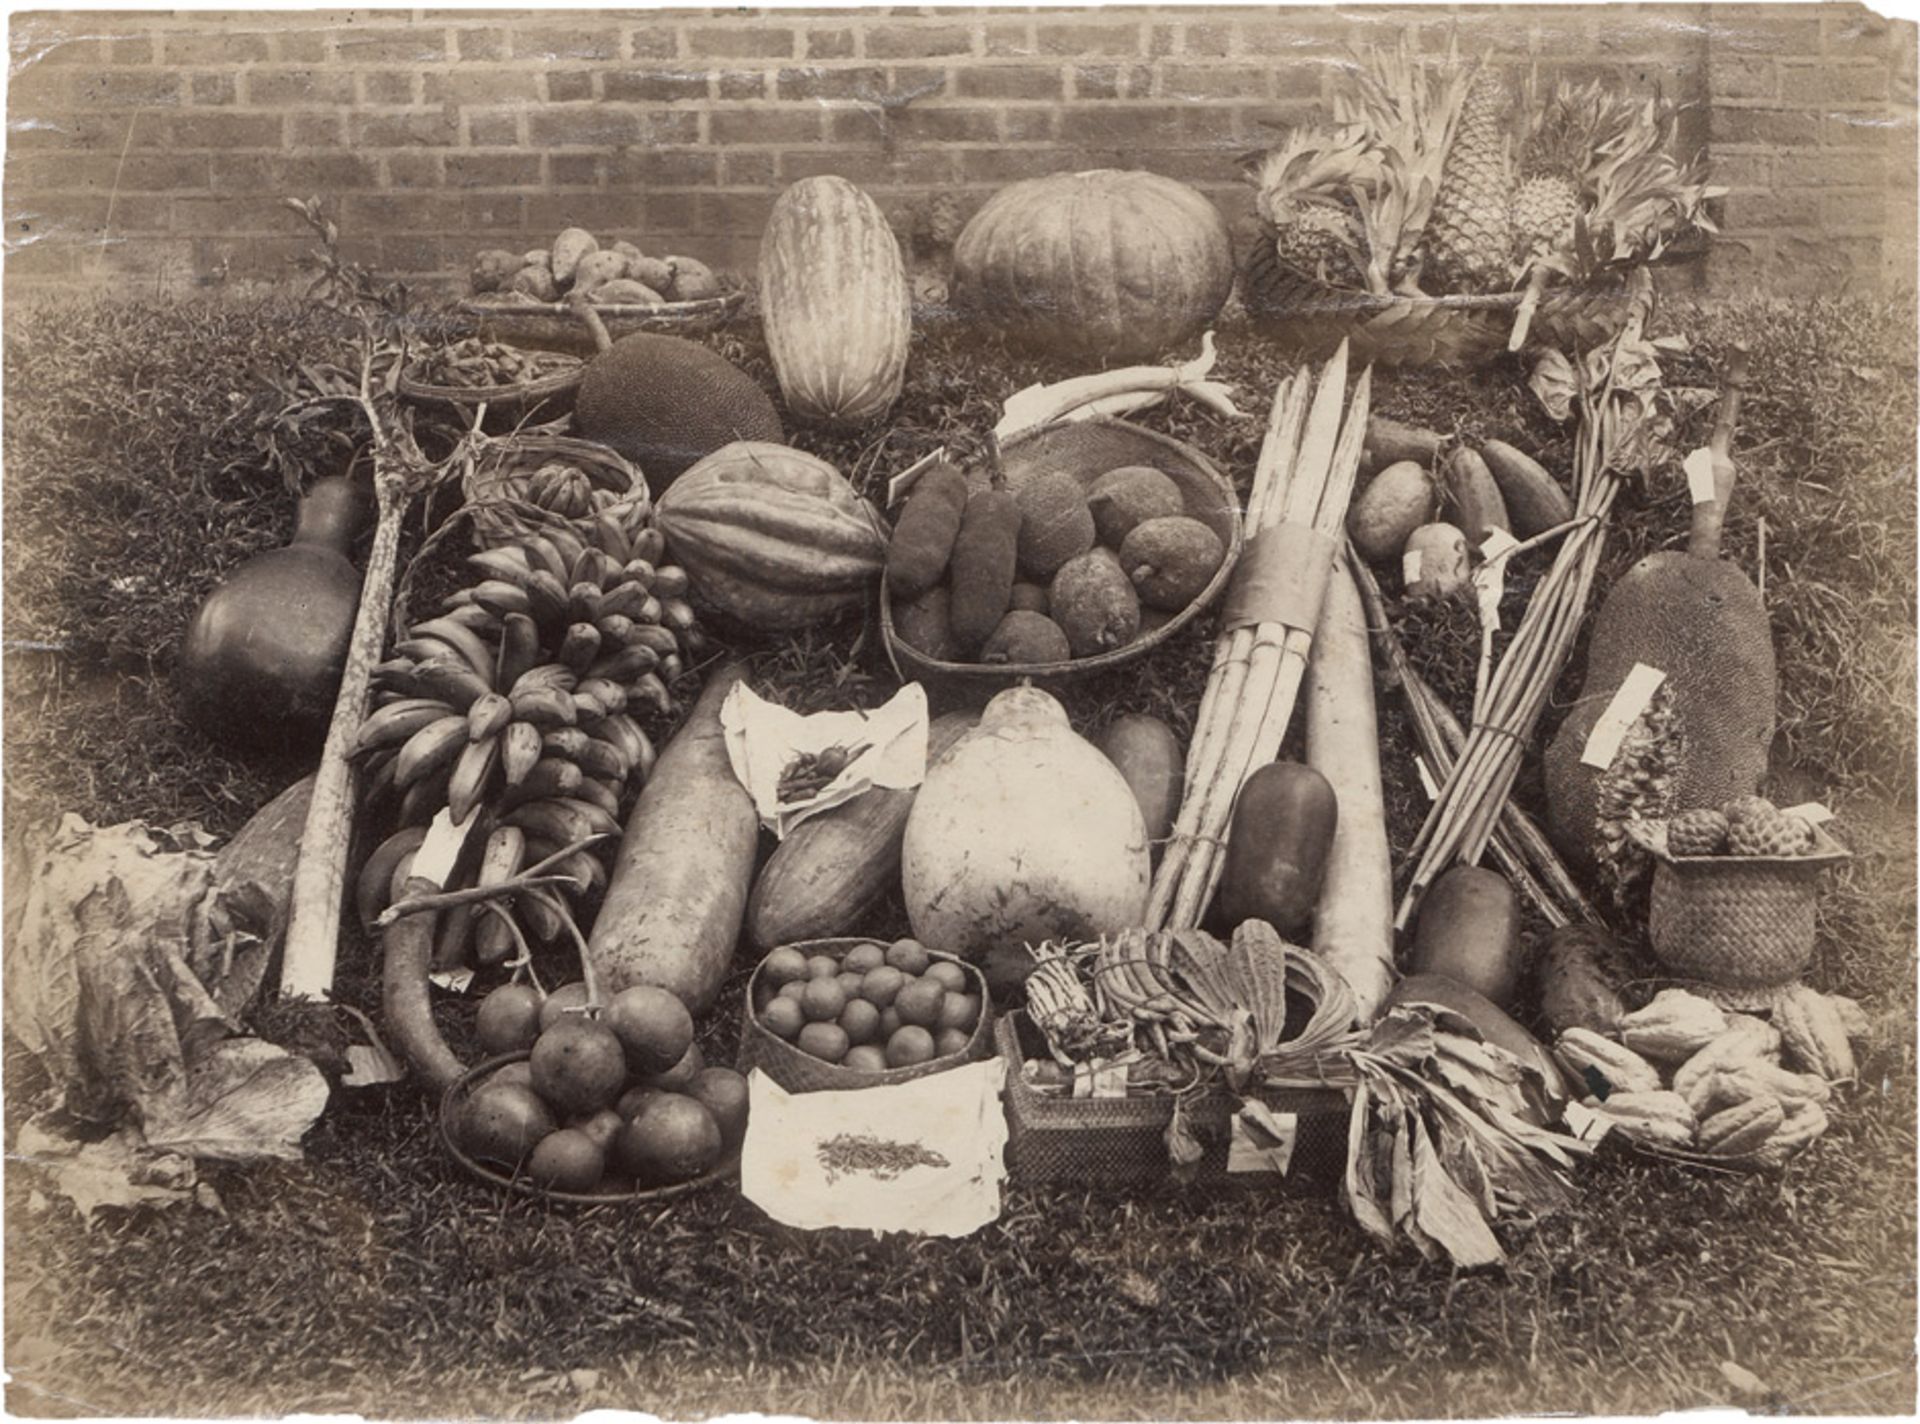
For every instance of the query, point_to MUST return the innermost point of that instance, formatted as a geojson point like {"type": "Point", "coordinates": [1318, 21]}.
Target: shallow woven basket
{"type": "Point", "coordinates": [554, 326]}
{"type": "Point", "coordinates": [1052, 1138]}
{"type": "Point", "coordinates": [464, 1087]}
{"type": "Point", "coordinates": [1741, 928]}
{"type": "Point", "coordinates": [1087, 449]}
{"type": "Point", "coordinates": [499, 475]}
{"type": "Point", "coordinates": [801, 1072]}
{"type": "Point", "coordinates": [508, 407]}
{"type": "Point", "coordinates": [1421, 331]}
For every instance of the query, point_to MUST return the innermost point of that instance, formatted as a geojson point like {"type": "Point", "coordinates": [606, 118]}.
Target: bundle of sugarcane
{"type": "Point", "coordinates": [1296, 512]}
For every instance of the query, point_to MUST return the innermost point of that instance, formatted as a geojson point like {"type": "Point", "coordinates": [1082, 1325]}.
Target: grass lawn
{"type": "Point", "coordinates": [372, 1279]}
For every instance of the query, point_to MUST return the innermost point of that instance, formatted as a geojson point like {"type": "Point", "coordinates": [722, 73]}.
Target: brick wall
{"type": "Point", "coordinates": [154, 147]}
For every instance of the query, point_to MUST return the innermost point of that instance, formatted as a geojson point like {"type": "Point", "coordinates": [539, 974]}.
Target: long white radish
{"type": "Point", "coordinates": [1353, 923]}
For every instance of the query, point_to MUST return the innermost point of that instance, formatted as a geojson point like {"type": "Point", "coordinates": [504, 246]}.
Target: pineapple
{"type": "Point", "coordinates": [1304, 190]}
{"type": "Point", "coordinates": [1470, 234]}
{"type": "Point", "coordinates": [1567, 138]}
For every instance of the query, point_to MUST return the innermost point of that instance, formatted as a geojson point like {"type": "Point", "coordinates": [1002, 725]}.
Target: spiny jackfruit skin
{"type": "Point", "coordinates": [666, 403]}
{"type": "Point", "coordinates": [1702, 622]}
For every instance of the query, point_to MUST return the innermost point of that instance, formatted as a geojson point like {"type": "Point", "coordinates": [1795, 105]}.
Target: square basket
{"type": "Point", "coordinates": [1100, 1141]}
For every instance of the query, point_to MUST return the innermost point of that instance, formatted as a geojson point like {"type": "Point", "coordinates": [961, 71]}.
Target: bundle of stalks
{"type": "Point", "coordinates": [1304, 477]}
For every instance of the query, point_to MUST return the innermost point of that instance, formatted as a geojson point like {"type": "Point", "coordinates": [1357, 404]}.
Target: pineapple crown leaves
{"type": "Point", "coordinates": [1312, 161]}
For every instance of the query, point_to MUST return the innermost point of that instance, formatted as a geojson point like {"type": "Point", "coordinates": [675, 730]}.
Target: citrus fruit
{"type": "Point", "coordinates": [951, 976]}
{"type": "Point", "coordinates": [861, 1020]}
{"type": "Point", "coordinates": [849, 982]}
{"type": "Point", "coordinates": [863, 957]}
{"type": "Point", "coordinates": [783, 1017]}
{"type": "Point", "coordinates": [909, 956]}
{"type": "Point", "coordinates": [501, 1123]}
{"type": "Point", "coordinates": [878, 986]}
{"type": "Point", "coordinates": [681, 1074]}
{"type": "Point", "coordinates": [867, 1057]}
{"type": "Point", "coordinates": [825, 1041]}
{"type": "Point", "coordinates": [722, 1092]}
{"type": "Point", "coordinates": [563, 1002]}
{"type": "Point", "coordinates": [823, 1000]}
{"type": "Point", "coordinates": [961, 1011]}
{"type": "Point", "coordinates": [636, 1098]}
{"type": "Point", "coordinates": [920, 1002]}
{"type": "Point", "coordinates": [911, 1044]}
{"type": "Point", "coordinates": [578, 1066]}
{"type": "Point", "coordinates": [567, 1161]}
{"type": "Point", "coordinates": [673, 1139]}
{"type": "Point", "coordinates": [889, 1022]}
{"type": "Point", "coordinates": [950, 1041]}
{"type": "Point", "coordinates": [517, 1073]}
{"type": "Point", "coordinates": [822, 966]}
{"type": "Point", "coordinates": [783, 966]}
{"type": "Point", "coordinates": [793, 989]}
{"type": "Point", "coordinates": [508, 1020]}
{"type": "Point", "coordinates": [653, 1026]}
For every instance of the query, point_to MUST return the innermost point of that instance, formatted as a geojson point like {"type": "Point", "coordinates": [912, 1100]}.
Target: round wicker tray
{"type": "Point", "coordinates": [508, 407]}
{"type": "Point", "coordinates": [1088, 449]}
{"type": "Point", "coordinates": [463, 1088]}
{"type": "Point", "coordinates": [555, 326]}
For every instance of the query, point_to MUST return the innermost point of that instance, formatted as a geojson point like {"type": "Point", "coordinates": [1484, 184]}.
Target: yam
{"type": "Point", "coordinates": [985, 551]}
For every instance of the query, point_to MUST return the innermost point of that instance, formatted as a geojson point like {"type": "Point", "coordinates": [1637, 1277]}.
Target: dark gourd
{"type": "Point", "coordinates": [1469, 931]}
{"type": "Point", "coordinates": [1496, 1026]}
{"type": "Point", "coordinates": [1474, 497]}
{"type": "Point", "coordinates": [1277, 846]}
{"type": "Point", "coordinates": [982, 570]}
{"type": "Point", "coordinates": [262, 658]}
{"type": "Point", "coordinates": [1535, 501]}
{"type": "Point", "coordinates": [922, 541]}
{"type": "Point", "coordinates": [1150, 757]}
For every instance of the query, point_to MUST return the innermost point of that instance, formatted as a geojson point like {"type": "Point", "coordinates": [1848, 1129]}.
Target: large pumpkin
{"type": "Point", "coordinates": [835, 303]}
{"type": "Point", "coordinates": [770, 537]}
{"type": "Point", "coordinates": [1110, 264]}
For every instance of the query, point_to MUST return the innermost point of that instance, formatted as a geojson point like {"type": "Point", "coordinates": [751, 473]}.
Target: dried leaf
{"type": "Point", "coordinates": [1184, 1149]}
{"type": "Point", "coordinates": [243, 1100]}
{"type": "Point", "coordinates": [1358, 1187]}
{"type": "Point", "coordinates": [1446, 1213]}
{"type": "Point", "coordinates": [1554, 385]}
{"type": "Point", "coordinates": [117, 1171]}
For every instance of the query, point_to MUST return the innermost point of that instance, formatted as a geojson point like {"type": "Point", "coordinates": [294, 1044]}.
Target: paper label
{"type": "Point", "coordinates": [1603, 742]}
{"type": "Point", "coordinates": [1497, 542]}
{"type": "Point", "coordinates": [1410, 567]}
{"type": "Point", "coordinates": [1812, 812]}
{"type": "Point", "coordinates": [1699, 468]}
{"type": "Point", "coordinates": [1427, 782]}
{"type": "Point", "coordinates": [439, 852]}
{"type": "Point", "coordinates": [898, 486]}
{"type": "Point", "coordinates": [1100, 1079]}
{"type": "Point", "coordinates": [454, 981]}
{"type": "Point", "coordinates": [1262, 1140]}
{"type": "Point", "coordinates": [1586, 1124]}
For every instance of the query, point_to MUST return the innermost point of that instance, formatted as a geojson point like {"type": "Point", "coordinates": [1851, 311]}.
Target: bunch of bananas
{"type": "Point", "coordinates": [518, 703]}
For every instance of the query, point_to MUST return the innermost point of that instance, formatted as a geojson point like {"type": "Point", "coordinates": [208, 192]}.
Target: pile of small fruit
{"type": "Point", "coordinates": [873, 1008]}
{"type": "Point", "coordinates": [1746, 826]}
{"type": "Point", "coordinates": [611, 1098]}
{"type": "Point", "coordinates": [618, 273]}
{"type": "Point", "coordinates": [473, 362]}
{"type": "Point", "coordinates": [1052, 571]}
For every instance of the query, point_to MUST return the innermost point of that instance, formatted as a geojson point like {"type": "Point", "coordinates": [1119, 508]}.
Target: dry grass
{"type": "Point", "coordinates": [369, 1279]}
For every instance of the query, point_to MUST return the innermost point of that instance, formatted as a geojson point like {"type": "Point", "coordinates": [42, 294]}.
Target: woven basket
{"type": "Point", "coordinates": [1740, 928]}
{"type": "Point", "coordinates": [464, 1087]}
{"type": "Point", "coordinates": [1422, 331]}
{"type": "Point", "coordinates": [1123, 1140]}
{"type": "Point", "coordinates": [1087, 449]}
{"type": "Point", "coordinates": [508, 407]}
{"type": "Point", "coordinates": [555, 326]}
{"type": "Point", "coordinates": [497, 478]}
{"type": "Point", "coordinates": [801, 1072]}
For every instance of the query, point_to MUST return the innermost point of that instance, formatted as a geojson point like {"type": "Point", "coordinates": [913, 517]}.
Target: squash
{"type": "Point", "coordinates": [680, 880]}
{"type": "Point", "coordinates": [1277, 844]}
{"type": "Point", "coordinates": [1108, 264]}
{"type": "Point", "coordinates": [835, 303]}
{"type": "Point", "coordinates": [1534, 498]}
{"type": "Point", "coordinates": [1469, 931]}
{"type": "Point", "coordinates": [1023, 832]}
{"type": "Point", "coordinates": [1150, 757]}
{"type": "Point", "coordinates": [1474, 497]}
{"type": "Point", "coordinates": [833, 866]}
{"type": "Point", "coordinates": [772, 538]}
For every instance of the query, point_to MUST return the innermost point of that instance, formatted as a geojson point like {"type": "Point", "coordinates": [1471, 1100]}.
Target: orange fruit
{"type": "Point", "coordinates": [722, 1092]}
{"type": "Point", "coordinates": [501, 1123]}
{"type": "Point", "coordinates": [849, 982]}
{"type": "Point", "coordinates": [793, 989]}
{"type": "Point", "coordinates": [677, 1077]}
{"type": "Point", "coordinates": [950, 1041]}
{"type": "Point", "coordinates": [909, 956]}
{"type": "Point", "coordinates": [889, 1022]}
{"type": "Point", "coordinates": [879, 986]}
{"type": "Point", "coordinates": [961, 1011]}
{"type": "Point", "coordinates": [867, 1057]}
{"type": "Point", "coordinates": [563, 1003]}
{"type": "Point", "coordinates": [653, 1026]}
{"type": "Point", "coordinates": [783, 966]}
{"type": "Point", "coordinates": [825, 1041]}
{"type": "Point", "coordinates": [673, 1139]}
{"type": "Point", "coordinates": [602, 1127]}
{"type": "Point", "coordinates": [822, 966]}
{"type": "Point", "coordinates": [911, 1045]}
{"type": "Point", "coordinates": [784, 1017]}
{"type": "Point", "coordinates": [578, 1066]}
{"type": "Point", "coordinates": [861, 1020]}
{"type": "Point", "coordinates": [951, 976]}
{"type": "Point", "coordinates": [636, 1098]}
{"type": "Point", "coordinates": [823, 1000]}
{"type": "Point", "coordinates": [920, 1002]}
{"type": "Point", "coordinates": [508, 1020]}
{"type": "Point", "coordinates": [567, 1161]}
{"type": "Point", "coordinates": [863, 957]}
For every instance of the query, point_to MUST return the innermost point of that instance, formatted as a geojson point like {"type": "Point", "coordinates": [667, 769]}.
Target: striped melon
{"type": "Point", "coordinates": [835, 303]}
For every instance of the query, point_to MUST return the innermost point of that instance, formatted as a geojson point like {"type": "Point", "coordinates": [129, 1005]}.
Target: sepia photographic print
{"type": "Point", "coordinates": [1060, 712]}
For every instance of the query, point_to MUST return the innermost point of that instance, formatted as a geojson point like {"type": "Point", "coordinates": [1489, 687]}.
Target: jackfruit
{"type": "Point", "coordinates": [665, 402]}
{"type": "Point", "coordinates": [1122, 498]}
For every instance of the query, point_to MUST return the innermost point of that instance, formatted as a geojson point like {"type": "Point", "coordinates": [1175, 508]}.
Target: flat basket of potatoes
{"type": "Point", "coordinates": [1093, 543]}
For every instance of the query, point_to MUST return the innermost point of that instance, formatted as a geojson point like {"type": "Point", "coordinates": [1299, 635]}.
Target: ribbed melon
{"type": "Point", "coordinates": [665, 403]}
{"type": "Point", "coordinates": [772, 538]}
{"type": "Point", "coordinates": [835, 303]}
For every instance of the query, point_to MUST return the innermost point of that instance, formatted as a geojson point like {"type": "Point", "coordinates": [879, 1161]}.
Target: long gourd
{"type": "Point", "coordinates": [1353, 924]}
{"type": "Point", "coordinates": [678, 892]}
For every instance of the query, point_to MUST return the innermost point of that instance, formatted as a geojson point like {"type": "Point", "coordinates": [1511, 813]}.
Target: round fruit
{"type": "Point", "coordinates": [951, 976]}
{"type": "Point", "coordinates": [676, 1078]}
{"type": "Point", "coordinates": [825, 1041]}
{"type": "Point", "coordinates": [578, 1066]}
{"type": "Point", "coordinates": [722, 1092]}
{"type": "Point", "coordinates": [563, 1002]}
{"type": "Point", "coordinates": [823, 1000]}
{"type": "Point", "coordinates": [911, 1045]}
{"type": "Point", "coordinates": [636, 1098]}
{"type": "Point", "coordinates": [602, 1127]}
{"type": "Point", "coordinates": [961, 1011]}
{"type": "Point", "coordinates": [519, 1074]}
{"type": "Point", "coordinates": [849, 981]}
{"type": "Point", "coordinates": [951, 1041]}
{"type": "Point", "coordinates": [567, 1161]}
{"type": "Point", "coordinates": [502, 1122]}
{"type": "Point", "coordinates": [822, 966]}
{"type": "Point", "coordinates": [508, 1020]}
{"type": "Point", "coordinates": [783, 1017]}
{"type": "Point", "coordinates": [861, 1020]}
{"type": "Point", "coordinates": [673, 1139]}
{"type": "Point", "coordinates": [863, 957]}
{"type": "Point", "coordinates": [889, 1022]}
{"type": "Point", "coordinates": [793, 989]}
{"type": "Point", "coordinates": [909, 956]}
{"type": "Point", "coordinates": [653, 1026]}
{"type": "Point", "coordinates": [878, 986]}
{"type": "Point", "coordinates": [867, 1058]}
{"type": "Point", "coordinates": [920, 1002]}
{"type": "Point", "coordinates": [783, 966]}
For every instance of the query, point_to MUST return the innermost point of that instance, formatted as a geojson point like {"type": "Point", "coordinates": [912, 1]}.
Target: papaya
{"type": "Point", "coordinates": [1277, 843]}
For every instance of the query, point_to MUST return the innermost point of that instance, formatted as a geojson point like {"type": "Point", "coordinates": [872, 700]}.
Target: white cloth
{"type": "Point", "coordinates": [764, 737]}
